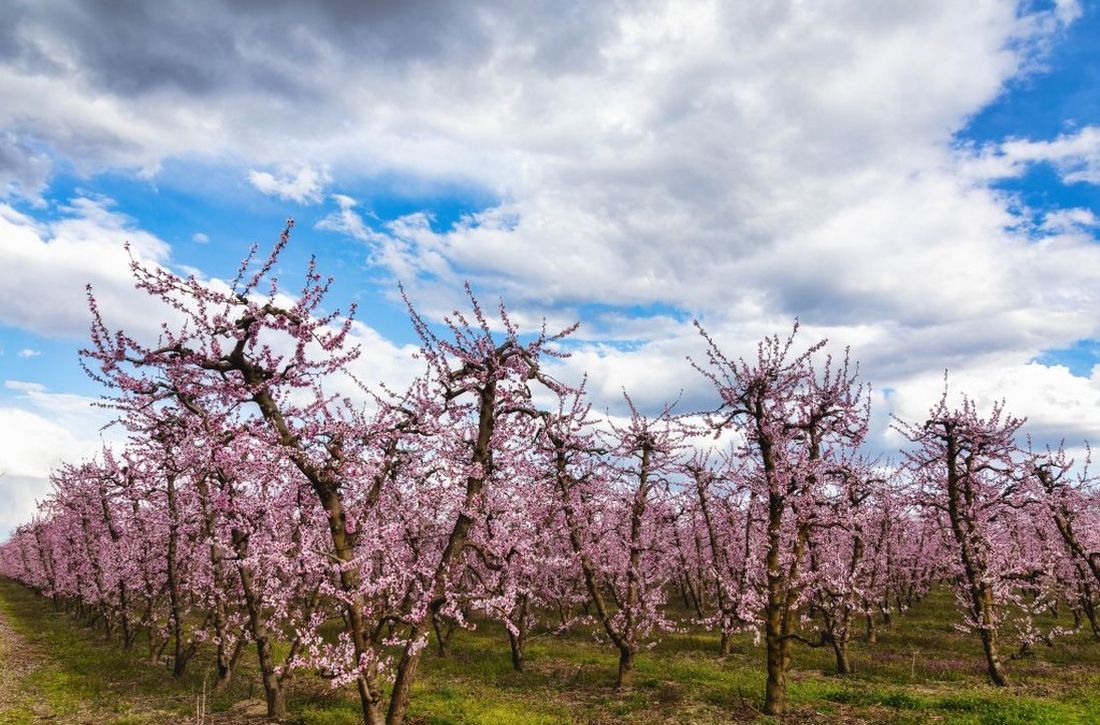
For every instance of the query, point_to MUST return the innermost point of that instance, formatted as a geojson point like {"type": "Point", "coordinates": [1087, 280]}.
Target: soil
{"type": "Point", "coordinates": [18, 659]}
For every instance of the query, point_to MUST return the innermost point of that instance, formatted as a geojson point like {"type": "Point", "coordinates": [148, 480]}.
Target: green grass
{"type": "Point", "coordinates": [921, 671]}
{"type": "Point", "coordinates": [81, 677]}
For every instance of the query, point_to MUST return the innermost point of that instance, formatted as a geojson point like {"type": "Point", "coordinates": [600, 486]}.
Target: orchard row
{"type": "Point", "coordinates": [266, 500]}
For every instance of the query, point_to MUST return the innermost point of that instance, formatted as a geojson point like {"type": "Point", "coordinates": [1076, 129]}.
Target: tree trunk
{"type": "Point", "coordinates": [97, 578]}
{"type": "Point", "coordinates": [443, 633]}
{"type": "Point", "coordinates": [116, 537]}
{"type": "Point", "coordinates": [993, 659]}
{"type": "Point", "coordinates": [226, 660]}
{"type": "Point", "coordinates": [1088, 607]}
{"type": "Point", "coordinates": [402, 685]}
{"type": "Point", "coordinates": [273, 690]}
{"type": "Point", "coordinates": [962, 527]}
{"type": "Point", "coordinates": [840, 649]}
{"type": "Point", "coordinates": [227, 668]}
{"type": "Point", "coordinates": [725, 645]}
{"type": "Point", "coordinates": [343, 542]}
{"type": "Point", "coordinates": [452, 553]}
{"type": "Point", "coordinates": [276, 700]}
{"type": "Point", "coordinates": [181, 652]}
{"type": "Point", "coordinates": [775, 690]}
{"type": "Point", "coordinates": [156, 649]}
{"type": "Point", "coordinates": [373, 712]}
{"type": "Point", "coordinates": [128, 633]}
{"type": "Point", "coordinates": [989, 640]}
{"type": "Point", "coordinates": [516, 641]}
{"type": "Point", "coordinates": [625, 679]}
{"type": "Point", "coordinates": [591, 583]}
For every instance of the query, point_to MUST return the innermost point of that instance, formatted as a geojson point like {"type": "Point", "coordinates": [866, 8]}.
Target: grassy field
{"type": "Point", "coordinates": [920, 671]}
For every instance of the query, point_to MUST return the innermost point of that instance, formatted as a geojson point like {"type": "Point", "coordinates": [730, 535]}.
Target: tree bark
{"type": "Point", "coordinates": [518, 640]}
{"type": "Point", "coordinates": [962, 527]}
{"type": "Point", "coordinates": [775, 689]}
{"type": "Point", "coordinates": [343, 540]}
{"type": "Point", "coordinates": [988, 634]}
{"type": "Point", "coordinates": [725, 644]}
{"type": "Point", "coordinates": [444, 630]}
{"type": "Point", "coordinates": [273, 690]}
{"type": "Point", "coordinates": [625, 679]}
{"type": "Point", "coordinates": [777, 646]}
{"type": "Point", "coordinates": [840, 650]}
{"type": "Point", "coordinates": [181, 652]}
{"type": "Point", "coordinates": [1089, 609]}
{"type": "Point", "coordinates": [452, 553]}
{"type": "Point", "coordinates": [226, 658]}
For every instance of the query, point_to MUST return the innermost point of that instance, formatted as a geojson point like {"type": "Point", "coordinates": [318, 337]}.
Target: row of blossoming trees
{"type": "Point", "coordinates": [254, 506]}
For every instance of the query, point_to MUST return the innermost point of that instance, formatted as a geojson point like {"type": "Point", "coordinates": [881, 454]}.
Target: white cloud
{"type": "Point", "coordinates": [25, 387]}
{"type": "Point", "coordinates": [200, 238]}
{"type": "Point", "coordinates": [348, 221]}
{"type": "Point", "coordinates": [28, 352]}
{"type": "Point", "coordinates": [42, 430]}
{"type": "Point", "coordinates": [44, 267]}
{"type": "Point", "coordinates": [380, 361]}
{"type": "Point", "coordinates": [81, 415]}
{"type": "Point", "coordinates": [1067, 11]}
{"type": "Point", "coordinates": [304, 184]}
{"type": "Point", "coordinates": [743, 162]}
{"type": "Point", "coordinates": [514, 99]}
{"type": "Point", "coordinates": [1076, 157]}
{"type": "Point", "coordinates": [1070, 221]}
{"type": "Point", "coordinates": [1057, 404]}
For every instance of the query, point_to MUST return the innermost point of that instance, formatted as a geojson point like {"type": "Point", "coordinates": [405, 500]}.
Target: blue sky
{"type": "Point", "coordinates": [918, 181]}
{"type": "Point", "coordinates": [1061, 96]}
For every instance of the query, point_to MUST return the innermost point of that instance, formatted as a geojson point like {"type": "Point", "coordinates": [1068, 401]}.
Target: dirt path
{"type": "Point", "coordinates": [18, 659]}
{"type": "Point", "coordinates": [35, 687]}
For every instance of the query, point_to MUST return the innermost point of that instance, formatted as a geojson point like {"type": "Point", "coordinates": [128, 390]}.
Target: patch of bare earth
{"type": "Point", "coordinates": [18, 659]}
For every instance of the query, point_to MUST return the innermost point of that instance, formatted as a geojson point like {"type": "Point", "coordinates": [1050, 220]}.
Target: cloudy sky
{"type": "Point", "coordinates": [916, 180]}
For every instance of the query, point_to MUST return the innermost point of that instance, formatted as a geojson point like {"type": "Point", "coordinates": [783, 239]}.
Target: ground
{"type": "Point", "coordinates": [921, 671]}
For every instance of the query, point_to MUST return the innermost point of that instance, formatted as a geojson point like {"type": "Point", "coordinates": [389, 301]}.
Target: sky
{"type": "Point", "coordinates": [917, 181]}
